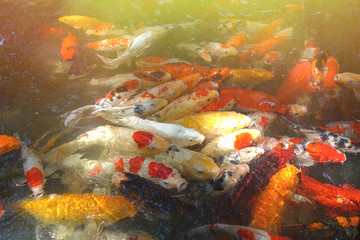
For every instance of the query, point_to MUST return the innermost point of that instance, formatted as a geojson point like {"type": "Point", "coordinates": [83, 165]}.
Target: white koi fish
{"type": "Point", "coordinates": [218, 50]}
{"type": "Point", "coordinates": [195, 50]}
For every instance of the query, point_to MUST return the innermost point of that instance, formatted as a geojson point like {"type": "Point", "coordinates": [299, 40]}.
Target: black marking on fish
{"type": "Point", "coordinates": [139, 109]}
{"type": "Point", "coordinates": [235, 161]}
{"type": "Point", "coordinates": [341, 143]}
{"type": "Point", "coordinates": [173, 149]}
{"type": "Point", "coordinates": [324, 138]}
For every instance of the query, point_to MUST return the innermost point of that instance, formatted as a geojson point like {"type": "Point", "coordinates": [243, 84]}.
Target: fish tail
{"type": "Point", "coordinates": [110, 63]}
{"type": "Point", "coordinates": [76, 115]}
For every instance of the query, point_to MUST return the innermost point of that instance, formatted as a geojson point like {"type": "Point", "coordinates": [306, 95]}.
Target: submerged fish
{"type": "Point", "coordinates": [244, 155]}
{"type": "Point", "coordinates": [350, 129]}
{"type": "Point", "coordinates": [78, 208]}
{"type": "Point", "coordinates": [195, 50]}
{"type": "Point", "coordinates": [238, 40]}
{"type": "Point", "coordinates": [8, 143]}
{"type": "Point", "coordinates": [249, 76]}
{"type": "Point", "coordinates": [112, 44]}
{"type": "Point", "coordinates": [218, 50]}
{"type": "Point", "coordinates": [267, 32]}
{"type": "Point", "coordinates": [80, 22]}
{"type": "Point", "coordinates": [351, 81]}
{"type": "Point", "coordinates": [155, 61]}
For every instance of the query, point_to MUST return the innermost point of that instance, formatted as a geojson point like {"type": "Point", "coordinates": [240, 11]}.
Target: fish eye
{"type": "Point", "coordinates": [273, 105]}
{"type": "Point", "coordinates": [226, 51]}
{"type": "Point", "coordinates": [200, 170]}
{"type": "Point", "coordinates": [165, 182]}
{"type": "Point", "coordinates": [350, 81]}
{"type": "Point", "coordinates": [153, 147]}
{"type": "Point", "coordinates": [190, 139]}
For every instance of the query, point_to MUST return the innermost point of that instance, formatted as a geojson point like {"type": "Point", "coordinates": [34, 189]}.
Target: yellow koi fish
{"type": "Point", "coordinates": [80, 22]}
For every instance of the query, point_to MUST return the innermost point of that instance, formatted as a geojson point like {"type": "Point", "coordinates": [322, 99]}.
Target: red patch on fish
{"type": "Point", "coordinates": [164, 89]}
{"type": "Point", "coordinates": [119, 165]}
{"type": "Point", "coordinates": [148, 95]}
{"type": "Point", "coordinates": [264, 122]}
{"type": "Point", "coordinates": [321, 152]}
{"type": "Point", "coordinates": [96, 170]}
{"type": "Point", "coordinates": [201, 93]}
{"type": "Point", "coordinates": [2, 211]}
{"type": "Point", "coordinates": [136, 163]}
{"type": "Point", "coordinates": [243, 140]}
{"type": "Point", "coordinates": [34, 177]}
{"type": "Point", "coordinates": [143, 138]}
{"type": "Point", "coordinates": [159, 170]}
{"type": "Point", "coordinates": [245, 234]}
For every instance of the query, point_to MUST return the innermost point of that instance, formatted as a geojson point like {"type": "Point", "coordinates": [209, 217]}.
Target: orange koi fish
{"type": "Point", "coordinates": [350, 129]}
{"type": "Point", "coordinates": [214, 124]}
{"type": "Point", "coordinates": [250, 76]}
{"type": "Point", "coordinates": [188, 104]}
{"type": "Point", "coordinates": [238, 41]}
{"type": "Point", "coordinates": [69, 47]}
{"type": "Point", "coordinates": [238, 232]}
{"type": "Point", "coordinates": [268, 211]}
{"type": "Point", "coordinates": [262, 48]}
{"type": "Point", "coordinates": [272, 57]}
{"type": "Point", "coordinates": [267, 32]}
{"type": "Point", "coordinates": [103, 30]}
{"type": "Point", "coordinates": [294, 9]}
{"type": "Point", "coordinates": [34, 171]}
{"type": "Point", "coordinates": [112, 44]}
{"type": "Point", "coordinates": [79, 207]}
{"type": "Point", "coordinates": [296, 83]}
{"type": "Point", "coordinates": [336, 223]}
{"type": "Point", "coordinates": [155, 61]}
{"type": "Point", "coordinates": [215, 74]}
{"type": "Point", "coordinates": [310, 51]}
{"type": "Point", "coordinates": [191, 80]}
{"type": "Point", "coordinates": [8, 143]}
{"type": "Point", "coordinates": [330, 70]}
{"type": "Point", "coordinates": [80, 22]}
{"type": "Point", "coordinates": [339, 199]}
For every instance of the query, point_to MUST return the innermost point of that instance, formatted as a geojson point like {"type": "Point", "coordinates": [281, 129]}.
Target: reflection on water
{"type": "Point", "coordinates": [32, 95]}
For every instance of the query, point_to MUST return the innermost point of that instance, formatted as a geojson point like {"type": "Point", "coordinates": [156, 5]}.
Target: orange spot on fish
{"type": "Point", "coordinates": [142, 138]}
{"type": "Point", "coordinates": [148, 95]}
{"type": "Point", "coordinates": [119, 165]}
{"type": "Point", "coordinates": [34, 177]}
{"type": "Point", "coordinates": [243, 140]}
{"type": "Point", "coordinates": [159, 170]}
{"type": "Point", "coordinates": [245, 234]}
{"type": "Point", "coordinates": [264, 122]}
{"type": "Point", "coordinates": [8, 143]}
{"type": "Point", "coordinates": [136, 163]}
{"type": "Point", "coordinates": [96, 170]}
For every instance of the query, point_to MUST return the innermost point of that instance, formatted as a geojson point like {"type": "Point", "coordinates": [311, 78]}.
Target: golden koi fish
{"type": "Point", "coordinates": [250, 76]}
{"type": "Point", "coordinates": [80, 22]}
{"type": "Point", "coordinates": [54, 208]}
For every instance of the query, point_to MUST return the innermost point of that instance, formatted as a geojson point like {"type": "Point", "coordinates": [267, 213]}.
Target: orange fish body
{"type": "Point", "coordinates": [250, 76]}
{"type": "Point", "coordinates": [269, 206]}
{"type": "Point", "coordinates": [100, 29]}
{"type": "Point", "coordinates": [155, 61]}
{"type": "Point", "coordinates": [222, 103]}
{"type": "Point", "coordinates": [349, 129]}
{"type": "Point", "coordinates": [191, 80]}
{"type": "Point", "coordinates": [238, 40]}
{"type": "Point", "coordinates": [267, 32]}
{"type": "Point", "coordinates": [331, 68]}
{"type": "Point", "coordinates": [78, 208]}
{"type": "Point", "coordinates": [116, 43]}
{"type": "Point", "coordinates": [69, 47]}
{"type": "Point", "coordinates": [342, 199]}
{"type": "Point", "coordinates": [215, 74]}
{"type": "Point", "coordinates": [337, 223]}
{"type": "Point", "coordinates": [8, 143]}
{"type": "Point", "coordinates": [297, 82]}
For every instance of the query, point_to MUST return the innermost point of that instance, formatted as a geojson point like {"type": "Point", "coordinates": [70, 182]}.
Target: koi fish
{"type": "Point", "coordinates": [351, 81]}
{"type": "Point", "coordinates": [244, 155]}
{"type": "Point", "coordinates": [191, 80]}
{"type": "Point", "coordinates": [336, 223]}
{"type": "Point", "coordinates": [250, 76]}
{"type": "Point", "coordinates": [218, 50]}
{"type": "Point", "coordinates": [117, 139]}
{"type": "Point", "coordinates": [267, 32]}
{"type": "Point", "coordinates": [34, 171]}
{"type": "Point", "coordinates": [222, 103]}
{"type": "Point", "coordinates": [238, 40]}
{"type": "Point", "coordinates": [238, 232]}
{"type": "Point", "coordinates": [8, 143]}
{"type": "Point", "coordinates": [195, 50]}
{"type": "Point", "coordinates": [350, 129]}
{"type": "Point", "coordinates": [330, 70]}
{"type": "Point", "coordinates": [272, 57]}
{"type": "Point", "coordinates": [138, 46]}
{"type": "Point", "coordinates": [296, 83]}
{"type": "Point", "coordinates": [168, 91]}
{"type": "Point", "coordinates": [294, 9]}
{"type": "Point", "coordinates": [112, 44]}
{"type": "Point", "coordinates": [105, 29]}
{"type": "Point", "coordinates": [215, 74]}
{"type": "Point", "coordinates": [191, 164]}
{"type": "Point", "coordinates": [214, 124]}
{"type": "Point", "coordinates": [208, 85]}
{"type": "Point", "coordinates": [335, 140]}
{"type": "Point", "coordinates": [264, 167]}
{"type": "Point", "coordinates": [155, 61]}
{"type": "Point", "coordinates": [69, 47]}
{"type": "Point", "coordinates": [297, 110]}
{"type": "Point", "coordinates": [268, 210]}
{"type": "Point", "coordinates": [262, 120]}
{"type": "Point", "coordinates": [340, 199]}
{"type": "Point", "coordinates": [188, 104]}
{"type": "Point", "coordinates": [79, 207]}
{"type": "Point", "coordinates": [175, 134]}
{"type": "Point", "coordinates": [236, 140]}
{"type": "Point", "coordinates": [310, 51]}
{"type": "Point", "coordinates": [80, 22]}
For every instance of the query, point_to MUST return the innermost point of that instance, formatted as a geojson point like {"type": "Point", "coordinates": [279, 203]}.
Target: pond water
{"type": "Point", "coordinates": [32, 96]}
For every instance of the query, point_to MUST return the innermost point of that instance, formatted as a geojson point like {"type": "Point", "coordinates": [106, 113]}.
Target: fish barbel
{"type": "Point", "coordinates": [175, 134]}
{"type": "Point", "coordinates": [214, 124]}
{"type": "Point", "coordinates": [53, 209]}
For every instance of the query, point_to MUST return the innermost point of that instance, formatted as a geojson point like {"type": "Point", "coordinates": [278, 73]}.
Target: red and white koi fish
{"type": "Point", "coordinates": [175, 134]}
{"type": "Point", "coordinates": [316, 134]}
{"type": "Point", "coordinates": [233, 141]}
{"type": "Point", "coordinates": [238, 232]}
{"type": "Point", "coordinates": [350, 129]}
{"type": "Point", "coordinates": [136, 48]}
{"type": "Point", "coordinates": [219, 50]}
{"type": "Point", "coordinates": [262, 120]}
{"type": "Point", "coordinates": [244, 155]}
{"type": "Point", "coordinates": [169, 91]}
{"type": "Point", "coordinates": [116, 139]}
{"type": "Point", "coordinates": [155, 61]}
{"type": "Point", "coordinates": [191, 164]}
{"type": "Point", "coordinates": [351, 81]}
{"type": "Point", "coordinates": [34, 171]}
{"type": "Point", "coordinates": [195, 50]}
{"type": "Point", "coordinates": [112, 44]}
{"type": "Point", "coordinates": [188, 104]}
{"type": "Point", "coordinates": [8, 143]}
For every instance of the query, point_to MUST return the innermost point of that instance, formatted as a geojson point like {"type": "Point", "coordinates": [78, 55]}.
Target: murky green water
{"type": "Point", "coordinates": [32, 97]}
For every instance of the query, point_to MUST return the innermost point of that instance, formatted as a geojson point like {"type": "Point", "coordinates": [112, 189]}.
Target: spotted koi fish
{"type": "Point", "coordinates": [351, 81]}
{"type": "Point", "coordinates": [336, 223]}
{"type": "Point", "coordinates": [8, 143]}
{"type": "Point", "coordinates": [222, 103]}
{"type": "Point", "coordinates": [244, 155]}
{"type": "Point", "coordinates": [316, 134]}
{"type": "Point", "coordinates": [195, 50]}
{"type": "Point", "coordinates": [34, 171]}
{"type": "Point", "coordinates": [238, 40]}
{"type": "Point", "coordinates": [168, 91]}
{"type": "Point", "coordinates": [250, 76]}
{"type": "Point", "coordinates": [188, 104]}
{"type": "Point", "coordinates": [191, 80]}
{"type": "Point", "coordinates": [215, 74]}
{"type": "Point", "coordinates": [78, 207]}
{"type": "Point", "coordinates": [236, 140]}
{"type": "Point", "coordinates": [117, 139]}
{"type": "Point", "coordinates": [105, 29]}
{"type": "Point", "coordinates": [350, 129]}
{"type": "Point", "coordinates": [112, 44]}
{"type": "Point", "coordinates": [268, 210]}
{"type": "Point", "coordinates": [175, 134]}
{"type": "Point", "coordinates": [238, 232]}
{"type": "Point", "coordinates": [155, 61]}
{"type": "Point", "coordinates": [214, 124]}
{"type": "Point", "coordinates": [218, 50]}
{"type": "Point", "coordinates": [338, 199]}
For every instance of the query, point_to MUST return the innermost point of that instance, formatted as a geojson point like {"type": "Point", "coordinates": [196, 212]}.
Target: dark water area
{"type": "Point", "coordinates": [33, 96]}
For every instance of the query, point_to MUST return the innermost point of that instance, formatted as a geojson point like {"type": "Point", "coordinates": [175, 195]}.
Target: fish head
{"type": "Point", "coordinates": [150, 143]}
{"type": "Point", "coordinates": [201, 167]}
{"type": "Point", "coordinates": [321, 152]}
{"type": "Point", "coordinates": [297, 111]}
{"type": "Point", "coordinates": [266, 104]}
{"type": "Point", "coordinates": [69, 47]}
{"type": "Point", "coordinates": [167, 177]}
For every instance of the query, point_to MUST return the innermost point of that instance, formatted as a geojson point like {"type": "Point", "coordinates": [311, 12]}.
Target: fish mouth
{"type": "Point", "coordinates": [182, 186]}
{"type": "Point", "coordinates": [218, 176]}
